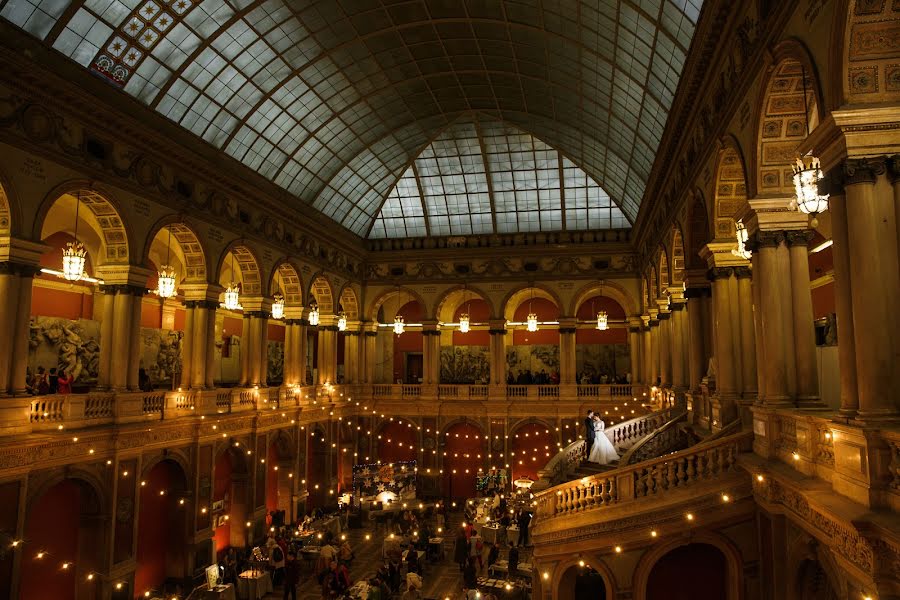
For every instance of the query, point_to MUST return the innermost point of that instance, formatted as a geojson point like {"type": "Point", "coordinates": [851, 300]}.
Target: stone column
{"type": "Point", "coordinates": [106, 335]}
{"type": "Point", "coordinates": [773, 323]}
{"type": "Point", "coordinates": [723, 327]}
{"type": "Point", "coordinates": [498, 367]}
{"type": "Point", "coordinates": [758, 330]}
{"type": "Point", "coordinates": [646, 357]}
{"type": "Point", "coordinates": [875, 290]}
{"type": "Point", "coordinates": [351, 356]}
{"type": "Point", "coordinates": [804, 327]}
{"type": "Point", "coordinates": [289, 371]}
{"type": "Point", "coordinates": [567, 361]}
{"type": "Point", "coordinates": [665, 344]}
{"type": "Point", "coordinates": [252, 347]}
{"type": "Point", "coordinates": [198, 346]}
{"type": "Point", "coordinates": [679, 347]}
{"type": "Point", "coordinates": [747, 346]}
{"type": "Point", "coordinates": [843, 305]}
{"type": "Point", "coordinates": [431, 353]}
{"type": "Point", "coordinates": [264, 316]}
{"type": "Point", "coordinates": [635, 350]}
{"type": "Point", "coordinates": [134, 337]}
{"type": "Point", "coordinates": [120, 343]}
{"type": "Point", "coordinates": [21, 329]}
{"type": "Point", "coordinates": [187, 344]}
{"type": "Point", "coordinates": [327, 354]}
{"type": "Point", "coordinates": [245, 350]}
{"type": "Point", "coordinates": [9, 298]}
{"type": "Point", "coordinates": [369, 353]}
{"type": "Point", "coordinates": [697, 362]}
{"type": "Point", "coordinates": [211, 307]}
{"type": "Point", "coordinates": [654, 350]}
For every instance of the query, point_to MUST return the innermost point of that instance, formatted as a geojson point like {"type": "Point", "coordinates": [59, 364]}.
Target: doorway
{"type": "Point", "coordinates": [414, 367]}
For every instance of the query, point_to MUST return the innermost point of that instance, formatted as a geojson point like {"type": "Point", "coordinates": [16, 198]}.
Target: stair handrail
{"type": "Point", "coordinates": [678, 415]}
{"type": "Point", "coordinates": [704, 461]}
{"type": "Point", "coordinates": [571, 455]}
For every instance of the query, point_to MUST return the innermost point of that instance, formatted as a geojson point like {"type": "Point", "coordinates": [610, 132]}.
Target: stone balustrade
{"type": "Point", "coordinates": [703, 462]}
{"type": "Point", "coordinates": [104, 407]}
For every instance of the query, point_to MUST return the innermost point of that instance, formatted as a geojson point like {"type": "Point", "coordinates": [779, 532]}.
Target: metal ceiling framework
{"type": "Point", "coordinates": [337, 101]}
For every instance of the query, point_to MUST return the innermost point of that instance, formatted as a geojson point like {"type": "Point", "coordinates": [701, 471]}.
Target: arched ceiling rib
{"type": "Point", "coordinates": [333, 95]}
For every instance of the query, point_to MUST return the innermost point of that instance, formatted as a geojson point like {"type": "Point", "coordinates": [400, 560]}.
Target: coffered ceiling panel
{"type": "Point", "coordinates": [337, 100]}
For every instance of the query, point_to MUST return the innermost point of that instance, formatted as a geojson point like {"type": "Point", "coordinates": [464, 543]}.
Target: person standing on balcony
{"type": "Point", "coordinates": [589, 433]}
{"type": "Point", "coordinates": [63, 383]}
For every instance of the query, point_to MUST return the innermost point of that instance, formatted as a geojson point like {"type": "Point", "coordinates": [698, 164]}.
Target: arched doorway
{"type": "Point", "coordinates": [533, 357]}
{"type": "Point", "coordinates": [396, 442]}
{"type": "Point", "coordinates": [65, 537]}
{"type": "Point", "coordinates": [464, 448]}
{"type": "Point", "coordinates": [601, 356]}
{"type": "Point", "coordinates": [703, 565]}
{"type": "Point", "coordinates": [162, 531]}
{"type": "Point", "coordinates": [230, 494]}
{"type": "Point", "coordinates": [581, 583]}
{"type": "Point", "coordinates": [244, 360]}
{"type": "Point", "coordinates": [464, 354]}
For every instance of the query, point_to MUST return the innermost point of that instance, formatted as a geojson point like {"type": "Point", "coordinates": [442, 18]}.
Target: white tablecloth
{"type": "Point", "coordinates": [252, 586]}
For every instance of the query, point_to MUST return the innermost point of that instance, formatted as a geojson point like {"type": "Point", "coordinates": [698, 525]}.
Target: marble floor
{"type": "Point", "coordinates": [442, 579]}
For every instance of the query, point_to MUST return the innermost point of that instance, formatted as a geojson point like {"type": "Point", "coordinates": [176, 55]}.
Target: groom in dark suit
{"type": "Point", "coordinates": [588, 433]}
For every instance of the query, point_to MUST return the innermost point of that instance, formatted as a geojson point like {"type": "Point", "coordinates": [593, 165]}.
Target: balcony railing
{"type": "Point", "coordinates": [100, 407]}
{"type": "Point", "coordinates": [703, 462]}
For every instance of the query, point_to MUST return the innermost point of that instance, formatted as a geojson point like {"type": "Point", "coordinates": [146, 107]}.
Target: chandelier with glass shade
{"type": "Point", "coordinates": [807, 175]}
{"type": "Point", "coordinates": [313, 316]}
{"type": "Point", "coordinates": [602, 317]}
{"type": "Point", "coordinates": [742, 238]}
{"type": "Point", "coordinates": [464, 323]}
{"type": "Point", "coordinates": [342, 321]}
{"type": "Point", "coordinates": [165, 280]}
{"type": "Point", "coordinates": [278, 307]}
{"type": "Point", "coordinates": [74, 254]}
{"type": "Point", "coordinates": [399, 325]}
{"type": "Point", "coordinates": [233, 291]}
{"type": "Point", "coordinates": [531, 322]}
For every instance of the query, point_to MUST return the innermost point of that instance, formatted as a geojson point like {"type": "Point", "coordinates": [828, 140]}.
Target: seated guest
{"type": "Point", "coordinates": [513, 560]}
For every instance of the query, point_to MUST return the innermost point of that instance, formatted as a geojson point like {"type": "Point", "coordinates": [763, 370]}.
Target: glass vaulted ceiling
{"type": "Point", "coordinates": [333, 100]}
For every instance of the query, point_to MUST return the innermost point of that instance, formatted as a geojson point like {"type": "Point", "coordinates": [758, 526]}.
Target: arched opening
{"type": "Point", "coordinates": [397, 441]}
{"type": "Point", "coordinates": [731, 193]}
{"type": "Point", "coordinates": [5, 213]}
{"type": "Point", "coordinates": [65, 535]}
{"type": "Point", "coordinates": [348, 308]}
{"type": "Point", "coordinates": [464, 449]}
{"type": "Point", "coordinates": [464, 355]}
{"type": "Point", "coordinates": [322, 355]}
{"type": "Point", "coordinates": [703, 565]}
{"type": "Point", "coordinates": [67, 314]}
{"type": "Point", "coordinates": [401, 357]}
{"type": "Point", "coordinates": [581, 583]}
{"type": "Point", "coordinates": [531, 446]}
{"type": "Point", "coordinates": [279, 467]}
{"type": "Point", "coordinates": [238, 270]}
{"type": "Point", "coordinates": [601, 356]}
{"type": "Point", "coordinates": [533, 356]}
{"type": "Point", "coordinates": [697, 234]}
{"type": "Point", "coordinates": [230, 504]}
{"type": "Point", "coordinates": [162, 531]}
{"type": "Point", "coordinates": [286, 289]}
{"type": "Point", "coordinates": [678, 265]}
{"type": "Point", "coordinates": [318, 468]}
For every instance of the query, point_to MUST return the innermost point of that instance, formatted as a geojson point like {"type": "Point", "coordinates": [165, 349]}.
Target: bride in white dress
{"type": "Point", "coordinates": [602, 452]}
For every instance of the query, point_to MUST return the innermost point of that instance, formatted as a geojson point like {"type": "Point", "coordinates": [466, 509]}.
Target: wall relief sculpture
{"type": "Point", "coordinates": [161, 355]}
{"type": "Point", "coordinates": [63, 344]}
{"type": "Point", "coordinates": [275, 369]}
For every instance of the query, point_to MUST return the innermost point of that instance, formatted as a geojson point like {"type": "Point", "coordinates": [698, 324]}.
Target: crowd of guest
{"type": "Point", "coordinates": [526, 377]}
{"type": "Point", "coordinates": [42, 383]}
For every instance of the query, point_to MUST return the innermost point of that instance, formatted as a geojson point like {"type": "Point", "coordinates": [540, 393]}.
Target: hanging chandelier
{"type": "Point", "coordinates": [602, 321]}
{"type": "Point", "coordinates": [233, 291]}
{"type": "Point", "coordinates": [74, 254]}
{"type": "Point", "coordinates": [342, 321]}
{"type": "Point", "coordinates": [278, 307]}
{"type": "Point", "coordinates": [398, 325]}
{"type": "Point", "coordinates": [314, 314]}
{"type": "Point", "coordinates": [165, 281]}
{"type": "Point", "coordinates": [532, 320]}
{"type": "Point", "coordinates": [807, 175]}
{"type": "Point", "coordinates": [742, 238]}
{"type": "Point", "coordinates": [464, 323]}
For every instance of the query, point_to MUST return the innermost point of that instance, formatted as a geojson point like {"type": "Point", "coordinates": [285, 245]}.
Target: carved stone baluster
{"type": "Point", "coordinates": [723, 461]}
{"type": "Point", "coordinates": [612, 496]}
{"type": "Point", "coordinates": [673, 473]}
{"type": "Point", "coordinates": [692, 467]}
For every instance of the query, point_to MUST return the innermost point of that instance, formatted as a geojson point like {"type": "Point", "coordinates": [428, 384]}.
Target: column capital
{"type": "Point", "coordinates": [662, 316]}
{"type": "Point", "coordinates": [497, 331]}
{"type": "Point", "coordinates": [370, 333]}
{"type": "Point", "coordinates": [124, 289]}
{"type": "Point", "coordinates": [653, 323]}
{"type": "Point", "coordinates": [763, 239]}
{"type": "Point", "coordinates": [697, 291]}
{"type": "Point", "coordinates": [635, 329]}
{"type": "Point", "coordinates": [124, 275]}
{"type": "Point", "coordinates": [720, 273]}
{"type": "Point", "coordinates": [330, 328]}
{"type": "Point", "coordinates": [799, 238]}
{"type": "Point", "coordinates": [21, 269]}
{"type": "Point", "coordinates": [862, 170]}
{"type": "Point", "coordinates": [743, 272]}
{"type": "Point", "coordinates": [257, 314]}
{"type": "Point", "coordinates": [431, 332]}
{"type": "Point", "coordinates": [678, 305]}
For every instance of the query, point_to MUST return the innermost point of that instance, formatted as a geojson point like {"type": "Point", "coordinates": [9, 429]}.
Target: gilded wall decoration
{"type": "Point", "coordinates": [863, 80]}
